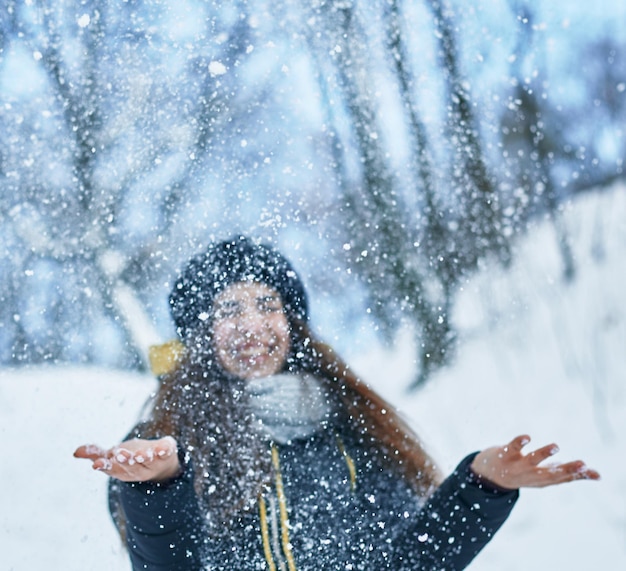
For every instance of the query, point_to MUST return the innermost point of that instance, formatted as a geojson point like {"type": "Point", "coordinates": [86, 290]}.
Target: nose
{"type": "Point", "coordinates": [252, 321]}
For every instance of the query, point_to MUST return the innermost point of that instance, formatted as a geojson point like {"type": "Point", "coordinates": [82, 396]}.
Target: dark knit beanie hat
{"type": "Point", "coordinates": [224, 263]}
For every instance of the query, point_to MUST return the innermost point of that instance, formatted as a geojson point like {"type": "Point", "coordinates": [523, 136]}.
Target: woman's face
{"type": "Point", "coordinates": [250, 330]}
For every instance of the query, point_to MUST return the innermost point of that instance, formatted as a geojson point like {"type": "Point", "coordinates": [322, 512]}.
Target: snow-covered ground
{"type": "Point", "coordinates": [537, 356]}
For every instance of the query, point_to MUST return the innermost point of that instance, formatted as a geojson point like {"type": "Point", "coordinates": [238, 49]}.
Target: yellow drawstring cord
{"type": "Point", "coordinates": [265, 535]}
{"type": "Point", "coordinates": [282, 507]}
{"type": "Point", "coordinates": [349, 462]}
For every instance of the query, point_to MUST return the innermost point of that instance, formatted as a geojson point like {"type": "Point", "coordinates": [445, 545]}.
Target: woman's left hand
{"type": "Point", "coordinates": [507, 467]}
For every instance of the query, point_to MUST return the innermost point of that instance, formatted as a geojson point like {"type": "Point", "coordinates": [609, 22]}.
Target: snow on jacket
{"type": "Point", "coordinates": [329, 508]}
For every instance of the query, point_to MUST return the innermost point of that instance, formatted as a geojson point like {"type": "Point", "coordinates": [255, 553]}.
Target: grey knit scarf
{"type": "Point", "coordinates": [288, 406]}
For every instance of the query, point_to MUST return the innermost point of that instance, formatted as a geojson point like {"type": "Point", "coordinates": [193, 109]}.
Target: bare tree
{"type": "Point", "coordinates": [533, 141]}
{"type": "Point", "coordinates": [384, 250]}
{"type": "Point", "coordinates": [134, 147]}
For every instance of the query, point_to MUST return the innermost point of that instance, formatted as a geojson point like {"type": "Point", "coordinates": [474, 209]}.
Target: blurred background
{"type": "Point", "coordinates": [389, 148]}
{"type": "Point", "coordinates": [447, 177]}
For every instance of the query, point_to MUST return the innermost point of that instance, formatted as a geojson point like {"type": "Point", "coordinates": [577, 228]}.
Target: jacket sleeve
{"type": "Point", "coordinates": [456, 522]}
{"type": "Point", "coordinates": [163, 525]}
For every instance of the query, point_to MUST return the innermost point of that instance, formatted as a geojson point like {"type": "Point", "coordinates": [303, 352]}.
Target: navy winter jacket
{"type": "Point", "coordinates": [330, 508]}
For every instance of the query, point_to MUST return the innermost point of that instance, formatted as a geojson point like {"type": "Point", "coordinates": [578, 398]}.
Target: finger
{"type": "Point", "coordinates": [562, 473]}
{"type": "Point", "coordinates": [114, 469]}
{"type": "Point", "coordinates": [102, 464]}
{"type": "Point", "coordinates": [89, 451]}
{"type": "Point", "coordinates": [121, 466]}
{"type": "Point", "coordinates": [165, 447]}
{"type": "Point", "coordinates": [143, 456]}
{"type": "Point", "coordinates": [130, 458]}
{"type": "Point", "coordinates": [152, 450]}
{"type": "Point", "coordinates": [590, 474]}
{"type": "Point", "coordinates": [516, 445]}
{"type": "Point", "coordinates": [122, 455]}
{"type": "Point", "coordinates": [578, 470]}
{"type": "Point", "coordinates": [543, 453]}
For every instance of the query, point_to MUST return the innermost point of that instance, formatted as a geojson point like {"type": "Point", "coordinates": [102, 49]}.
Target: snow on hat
{"type": "Point", "coordinates": [224, 263]}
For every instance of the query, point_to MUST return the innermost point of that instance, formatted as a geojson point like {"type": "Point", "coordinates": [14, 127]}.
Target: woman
{"type": "Point", "coordinates": [262, 450]}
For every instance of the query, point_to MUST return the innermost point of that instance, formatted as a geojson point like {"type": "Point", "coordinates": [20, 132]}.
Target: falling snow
{"type": "Point", "coordinates": [449, 183]}
{"type": "Point", "coordinates": [524, 374]}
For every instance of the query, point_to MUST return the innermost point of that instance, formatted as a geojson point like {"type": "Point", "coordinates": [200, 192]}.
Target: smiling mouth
{"type": "Point", "coordinates": [255, 357]}
{"type": "Point", "coordinates": [254, 353]}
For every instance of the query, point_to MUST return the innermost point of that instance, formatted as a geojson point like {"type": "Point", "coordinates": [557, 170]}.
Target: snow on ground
{"type": "Point", "coordinates": [53, 513]}
{"type": "Point", "coordinates": [537, 356]}
{"type": "Point", "coordinates": [541, 357]}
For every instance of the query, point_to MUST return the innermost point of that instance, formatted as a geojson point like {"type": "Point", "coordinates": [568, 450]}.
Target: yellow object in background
{"type": "Point", "coordinates": [164, 358]}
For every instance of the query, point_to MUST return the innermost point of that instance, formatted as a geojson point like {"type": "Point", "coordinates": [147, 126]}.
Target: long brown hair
{"type": "Point", "coordinates": [391, 439]}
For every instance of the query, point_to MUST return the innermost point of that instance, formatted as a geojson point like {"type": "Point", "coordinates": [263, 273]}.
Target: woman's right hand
{"type": "Point", "coordinates": [135, 460]}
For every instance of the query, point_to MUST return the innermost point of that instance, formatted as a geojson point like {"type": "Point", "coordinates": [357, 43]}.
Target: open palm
{"type": "Point", "coordinates": [507, 467]}
{"type": "Point", "coordinates": [135, 460]}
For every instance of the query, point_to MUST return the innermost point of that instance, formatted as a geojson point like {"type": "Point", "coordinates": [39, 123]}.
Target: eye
{"type": "Point", "coordinates": [226, 310]}
{"type": "Point", "coordinates": [270, 304]}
